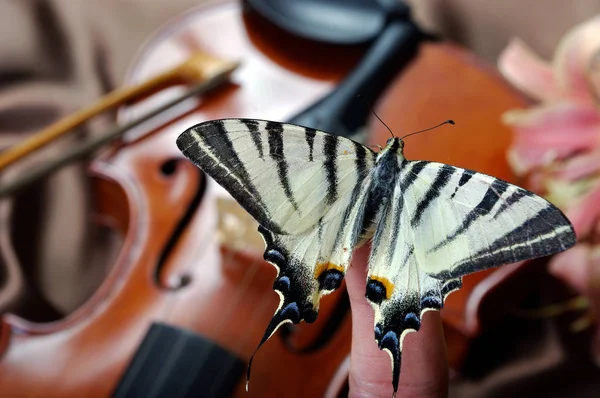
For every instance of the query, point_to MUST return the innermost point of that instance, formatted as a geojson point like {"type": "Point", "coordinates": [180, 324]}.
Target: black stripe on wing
{"type": "Point", "coordinates": [330, 146]}
{"type": "Point", "coordinates": [227, 169]}
{"type": "Point", "coordinates": [464, 178]}
{"type": "Point", "coordinates": [252, 126]}
{"type": "Point", "coordinates": [512, 199]}
{"type": "Point", "coordinates": [398, 207]}
{"type": "Point", "coordinates": [364, 162]}
{"type": "Point", "coordinates": [310, 134]}
{"type": "Point", "coordinates": [450, 286]}
{"type": "Point", "coordinates": [275, 137]}
{"type": "Point", "coordinates": [489, 200]}
{"type": "Point", "coordinates": [548, 232]}
{"type": "Point", "coordinates": [442, 179]}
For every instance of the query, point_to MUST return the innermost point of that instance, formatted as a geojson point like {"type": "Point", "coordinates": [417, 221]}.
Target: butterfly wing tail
{"type": "Point", "coordinates": [304, 275]}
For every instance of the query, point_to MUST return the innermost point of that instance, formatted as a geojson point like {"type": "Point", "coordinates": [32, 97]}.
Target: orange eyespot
{"type": "Point", "coordinates": [322, 267]}
{"type": "Point", "coordinates": [389, 286]}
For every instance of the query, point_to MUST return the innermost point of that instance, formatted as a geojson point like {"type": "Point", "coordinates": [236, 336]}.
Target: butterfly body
{"type": "Point", "coordinates": [317, 197]}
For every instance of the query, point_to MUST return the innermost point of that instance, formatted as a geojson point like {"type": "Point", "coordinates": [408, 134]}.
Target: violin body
{"type": "Point", "coordinates": [173, 267]}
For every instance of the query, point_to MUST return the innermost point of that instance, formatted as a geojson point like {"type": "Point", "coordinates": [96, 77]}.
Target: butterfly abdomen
{"type": "Point", "coordinates": [384, 175]}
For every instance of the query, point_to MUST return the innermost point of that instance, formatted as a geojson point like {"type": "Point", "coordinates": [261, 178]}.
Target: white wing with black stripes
{"type": "Point", "coordinates": [445, 222]}
{"type": "Point", "coordinates": [464, 221]}
{"type": "Point", "coordinates": [286, 176]}
{"type": "Point", "coordinates": [317, 197]}
{"type": "Point", "coordinates": [304, 187]}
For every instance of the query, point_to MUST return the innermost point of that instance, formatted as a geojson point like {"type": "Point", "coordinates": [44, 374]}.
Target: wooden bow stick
{"type": "Point", "coordinates": [198, 68]}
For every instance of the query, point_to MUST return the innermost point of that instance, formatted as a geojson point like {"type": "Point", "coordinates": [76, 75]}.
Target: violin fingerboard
{"type": "Point", "coordinates": [176, 363]}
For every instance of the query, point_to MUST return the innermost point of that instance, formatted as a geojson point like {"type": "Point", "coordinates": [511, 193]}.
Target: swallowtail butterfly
{"type": "Point", "coordinates": [318, 196]}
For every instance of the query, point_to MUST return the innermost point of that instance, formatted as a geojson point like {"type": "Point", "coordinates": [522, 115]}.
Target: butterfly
{"type": "Point", "coordinates": [318, 196]}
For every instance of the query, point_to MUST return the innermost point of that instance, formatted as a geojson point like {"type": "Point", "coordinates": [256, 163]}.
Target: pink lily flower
{"type": "Point", "coordinates": [556, 144]}
{"type": "Point", "coordinates": [567, 117]}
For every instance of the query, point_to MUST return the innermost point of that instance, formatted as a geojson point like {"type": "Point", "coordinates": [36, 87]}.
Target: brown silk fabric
{"type": "Point", "coordinates": [56, 55]}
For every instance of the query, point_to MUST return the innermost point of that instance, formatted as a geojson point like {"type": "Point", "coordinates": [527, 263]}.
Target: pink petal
{"type": "Point", "coordinates": [536, 182]}
{"type": "Point", "coordinates": [578, 167]}
{"type": "Point", "coordinates": [573, 60]}
{"type": "Point", "coordinates": [594, 73]}
{"type": "Point", "coordinates": [584, 212]}
{"type": "Point", "coordinates": [544, 134]}
{"type": "Point", "coordinates": [527, 72]}
{"type": "Point", "coordinates": [580, 268]}
{"type": "Point", "coordinates": [572, 266]}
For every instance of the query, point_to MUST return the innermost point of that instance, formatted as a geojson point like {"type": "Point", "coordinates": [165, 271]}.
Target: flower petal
{"type": "Point", "coordinates": [580, 268]}
{"type": "Point", "coordinates": [578, 167]}
{"type": "Point", "coordinates": [527, 72]}
{"type": "Point", "coordinates": [584, 212]}
{"type": "Point", "coordinates": [594, 73]}
{"type": "Point", "coordinates": [573, 266]}
{"type": "Point", "coordinates": [547, 133]}
{"type": "Point", "coordinates": [574, 60]}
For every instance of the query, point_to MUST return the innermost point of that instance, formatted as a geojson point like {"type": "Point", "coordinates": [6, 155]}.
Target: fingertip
{"type": "Point", "coordinates": [370, 369]}
{"type": "Point", "coordinates": [424, 358]}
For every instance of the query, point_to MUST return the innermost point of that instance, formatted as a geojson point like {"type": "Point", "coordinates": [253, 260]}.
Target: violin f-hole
{"type": "Point", "coordinates": [169, 168]}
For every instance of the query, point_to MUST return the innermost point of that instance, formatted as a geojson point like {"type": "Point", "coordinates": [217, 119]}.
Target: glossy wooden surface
{"type": "Point", "coordinates": [143, 187]}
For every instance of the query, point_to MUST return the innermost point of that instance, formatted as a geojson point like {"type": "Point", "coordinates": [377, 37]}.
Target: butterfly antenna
{"type": "Point", "coordinates": [430, 128]}
{"type": "Point", "coordinates": [371, 109]}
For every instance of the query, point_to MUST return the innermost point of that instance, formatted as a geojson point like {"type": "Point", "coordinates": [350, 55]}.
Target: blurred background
{"type": "Point", "coordinates": [99, 244]}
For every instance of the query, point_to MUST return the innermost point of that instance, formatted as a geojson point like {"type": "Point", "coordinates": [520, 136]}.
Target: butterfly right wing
{"type": "Point", "coordinates": [397, 288]}
{"type": "Point", "coordinates": [464, 221]}
{"type": "Point", "coordinates": [445, 222]}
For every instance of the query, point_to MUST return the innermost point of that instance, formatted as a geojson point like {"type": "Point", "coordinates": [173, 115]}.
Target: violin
{"type": "Point", "coordinates": [189, 295]}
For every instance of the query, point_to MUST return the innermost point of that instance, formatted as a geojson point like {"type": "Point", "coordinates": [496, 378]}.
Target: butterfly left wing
{"type": "Point", "coordinates": [306, 189]}
{"type": "Point", "coordinates": [313, 264]}
{"type": "Point", "coordinates": [287, 177]}
{"type": "Point", "coordinates": [445, 222]}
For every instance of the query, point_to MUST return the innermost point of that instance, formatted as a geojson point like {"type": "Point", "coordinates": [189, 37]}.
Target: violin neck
{"type": "Point", "coordinates": [176, 363]}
